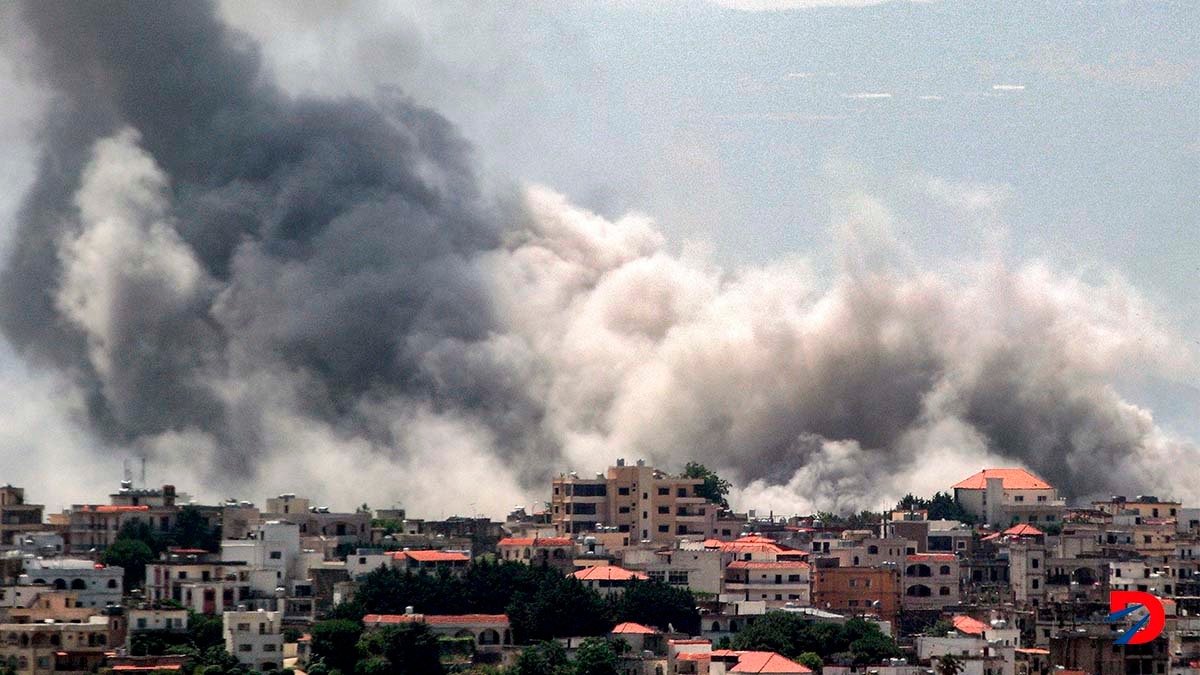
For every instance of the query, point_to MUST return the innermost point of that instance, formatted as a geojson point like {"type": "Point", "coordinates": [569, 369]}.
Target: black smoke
{"type": "Point", "coordinates": [336, 234]}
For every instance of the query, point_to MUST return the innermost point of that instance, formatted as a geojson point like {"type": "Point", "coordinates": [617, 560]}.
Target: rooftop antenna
{"type": "Point", "coordinates": [128, 473]}
{"type": "Point", "coordinates": [143, 471]}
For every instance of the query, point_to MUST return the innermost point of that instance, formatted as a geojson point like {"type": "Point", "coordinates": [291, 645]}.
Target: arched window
{"type": "Point", "coordinates": [918, 571]}
{"type": "Point", "coordinates": [489, 637]}
{"type": "Point", "coordinates": [872, 549]}
{"type": "Point", "coordinates": [60, 584]}
{"type": "Point", "coordinates": [526, 556]}
{"type": "Point", "coordinates": [944, 570]}
{"type": "Point", "coordinates": [716, 627]}
{"type": "Point", "coordinates": [112, 583]}
{"type": "Point", "coordinates": [918, 591]}
{"type": "Point", "coordinates": [78, 585]}
{"type": "Point", "coordinates": [733, 625]}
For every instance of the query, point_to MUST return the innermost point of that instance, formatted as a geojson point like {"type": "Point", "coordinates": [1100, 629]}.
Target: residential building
{"type": "Point", "coordinates": [647, 503]}
{"type": "Point", "coordinates": [1002, 496]}
{"type": "Point", "coordinates": [16, 517]}
{"type": "Point", "coordinates": [94, 584]}
{"type": "Point", "coordinates": [869, 591]}
{"type": "Point", "coordinates": [45, 648]}
{"type": "Point", "coordinates": [491, 632]}
{"type": "Point", "coordinates": [553, 551]}
{"type": "Point", "coordinates": [254, 638]}
{"type": "Point", "coordinates": [931, 581]}
{"type": "Point", "coordinates": [777, 583]}
{"type": "Point", "coordinates": [608, 579]}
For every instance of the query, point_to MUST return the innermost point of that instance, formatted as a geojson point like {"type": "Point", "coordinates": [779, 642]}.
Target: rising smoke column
{"type": "Point", "coordinates": [280, 290]}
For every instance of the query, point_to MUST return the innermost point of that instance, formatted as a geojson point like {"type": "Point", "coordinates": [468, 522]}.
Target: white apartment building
{"type": "Point", "coordinates": [255, 638]}
{"type": "Point", "coordinates": [95, 585]}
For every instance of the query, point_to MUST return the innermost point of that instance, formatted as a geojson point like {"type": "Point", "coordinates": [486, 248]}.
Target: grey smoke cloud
{"type": "Point", "coordinates": [289, 292]}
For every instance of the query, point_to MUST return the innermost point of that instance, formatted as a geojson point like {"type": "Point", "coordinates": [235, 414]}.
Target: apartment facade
{"type": "Point", "coordinates": [646, 503]}
{"type": "Point", "coordinates": [1002, 496]}
{"type": "Point", "coordinates": [255, 638]}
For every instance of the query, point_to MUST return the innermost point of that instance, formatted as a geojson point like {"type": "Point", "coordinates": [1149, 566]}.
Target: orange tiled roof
{"type": "Point", "coordinates": [764, 565]}
{"type": "Point", "coordinates": [607, 573]}
{"type": "Point", "coordinates": [437, 619]}
{"type": "Point", "coordinates": [1011, 479]}
{"type": "Point", "coordinates": [1024, 530]}
{"type": "Point", "coordinates": [762, 662]}
{"type": "Point", "coordinates": [1037, 651]}
{"type": "Point", "coordinates": [432, 556]}
{"type": "Point", "coordinates": [968, 626]}
{"type": "Point", "coordinates": [530, 541]}
{"type": "Point", "coordinates": [631, 628]}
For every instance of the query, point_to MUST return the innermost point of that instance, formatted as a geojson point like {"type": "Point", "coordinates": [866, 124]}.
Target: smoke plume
{"type": "Point", "coordinates": [265, 290]}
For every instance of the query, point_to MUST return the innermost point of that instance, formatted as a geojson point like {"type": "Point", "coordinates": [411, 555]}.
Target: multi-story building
{"type": "Point", "coordinates": [1145, 506]}
{"type": "Point", "coordinates": [44, 648]}
{"type": "Point", "coordinates": [931, 581]}
{"type": "Point", "coordinates": [693, 567]}
{"type": "Point", "coordinates": [869, 591]}
{"type": "Point", "coordinates": [647, 503]}
{"type": "Point", "coordinates": [777, 583]}
{"type": "Point", "coordinates": [95, 585]}
{"type": "Point", "coordinates": [608, 579]}
{"type": "Point", "coordinates": [203, 586]}
{"type": "Point", "coordinates": [16, 517]}
{"type": "Point", "coordinates": [1004, 496]}
{"type": "Point", "coordinates": [552, 551]}
{"type": "Point", "coordinates": [1090, 649]}
{"type": "Point", "coordinates": [91, 528]}
{"type": "Point", "coordinates": [255, 638]}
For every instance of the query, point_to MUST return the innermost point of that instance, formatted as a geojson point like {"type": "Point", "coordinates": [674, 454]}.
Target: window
{"type": "Point", "coordinates": [664, 528]}
{"type": "Point", "coordinates": [663, 492]}
{"type": "Point", "coordinates": [1019, 498]}
{"type": "Point", "coordinates": [944, 590]}
{"type": "Point", "coordinates": [678, 578]}
{"type": "Point", "coordinates": [945, 569]}
{"type": "Point", "coordinates": [276, 555]}
{"type": "Point", "coordinates": [182, 574]}
{"type": "Point", "coordinates": [1034, 562]}
{"type": "Point", "coordinates": [872, 550]}
{"type": "Point", "coordinates": [623, 509]}
{"type": "Point", "coordinates": [141, 623]}
{"type": "Point", "coordinates": [585, 509]}
{"type": "Point", "coordinates": [1041, 498]}
{"type": "Point", "coordinates": [682, 492]}
{"type": "Point", "coordinates": [245, 648]}
{"type": "Point", "coordinates": [1035, 584]}
{"type": "Point", "coordinates": [793, 578]}
{"type": "Point", "coordinates": [268, 648]}
{"type": "Point", "coordinates": [243, 627]}
{"type": "Point", "coordinates": [664, 510]}
{"type": "Point", "coordinates": [623, 491]}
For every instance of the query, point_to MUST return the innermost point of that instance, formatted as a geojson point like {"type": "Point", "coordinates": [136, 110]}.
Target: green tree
{"type": "Point", "coordinates": [714, 488]}
{"type": "Point", "coordinates": [334, 641]}
{"type": "Point", "coordinates": [595, 656]}
{"type": "Point", "coordinates": [192, 530]}
{"type": "Point", "coordinates": [558, 607]}
{"type": "Point", "coordinates": [407, 649]}
{"type": "Point", "coordinates": [543, 658]}
{"type": "Point", "coordinates": [657, 604]}
{"type": "Point", "coordinates": [812, 661]}
{"type": "Point", "coordinates": [131, 555]}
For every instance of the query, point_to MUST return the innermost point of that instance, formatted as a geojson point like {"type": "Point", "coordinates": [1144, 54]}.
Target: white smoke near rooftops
{"type": "Point", "coordinates": [310, 295]}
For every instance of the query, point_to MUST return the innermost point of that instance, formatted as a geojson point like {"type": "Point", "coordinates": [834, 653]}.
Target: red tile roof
{"type": "Point", "coordinates": [1024, 530]}
{"type": "Point", "coordinates": [1011, 479]}
{"type": "Point", "coordinates": [968, 626]}
{"type": "Point", "coordinates": [631, 628]}
{"type": "Point", "coordinates": [607, 573]}
{"type": "Point", "coordinates": [437, 619]}
{"type": "Point", "coordinates": [764, 565]}
{"type": "Point", "coordinates": [761, 662]}
{"type": "Point", "coordinates": [432, 556]}
{"type": "Point", "coordinates": [531, 541]}
{"type": "Point", "coordinates": [1037, 651]}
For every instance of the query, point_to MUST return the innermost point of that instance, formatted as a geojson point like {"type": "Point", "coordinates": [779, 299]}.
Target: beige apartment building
{"type": "Point", "coordinates": [17, 517]}
{"type": "Point", "coordinates": [649, 504]}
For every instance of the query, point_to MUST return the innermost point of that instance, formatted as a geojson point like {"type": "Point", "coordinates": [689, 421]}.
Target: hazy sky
{"type": "Point", "coordinates": [1063, 132]}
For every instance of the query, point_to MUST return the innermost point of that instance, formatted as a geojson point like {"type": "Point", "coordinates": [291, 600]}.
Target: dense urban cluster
{"type": "Point", "coordinates": [630, 572]}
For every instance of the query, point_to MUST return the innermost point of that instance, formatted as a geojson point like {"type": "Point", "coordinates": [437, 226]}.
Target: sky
{"type": "Point", "coordinates": [1064, 136]}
